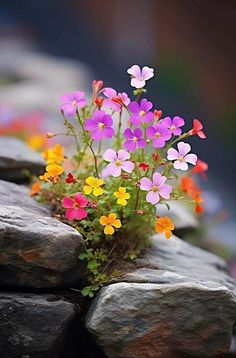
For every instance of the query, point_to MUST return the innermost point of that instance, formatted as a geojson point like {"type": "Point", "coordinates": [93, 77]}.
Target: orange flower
{"type": "Point", "coordinates": [189, 186]}
{"type": "Point", "coordinates": [200, 167]}
{"type": "Point", "coordinates": [54, 155]}
{"type": "Point", "coordinates": [35, 188]}
{"type": "Point", "coordinates": [165, 225]}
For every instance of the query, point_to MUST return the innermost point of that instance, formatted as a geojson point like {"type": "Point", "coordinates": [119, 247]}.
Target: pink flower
{"type": "Point", "coordinates": [156, 188]}
{"type": "Point", "coordinates": [197, 129]}
{"type": "Point", "coordinates": [159, 134]}
{"type": "Point", "coordinates": [181, 157]}
{"type": "Point", "coordinates": [174, 124]}
{"type": "Point", "coordinates": [70, 102]}
{"type": "Point", "coordinates": [141, 112]}
{"type": "Point", "coordinates": [134, 139]}
{"type": "Point", "coordinates": [115, 100]}
{"type": "Point", "coordinates": [118, 161]}
{"type": "Point", "coordinates": [97, 86]}
{"type": "Point", "coordinates": [100, 125]}
{"type": "Point", "coordinates": [140, 76]}
{"type": "Point", "coordinates": [75, 207]}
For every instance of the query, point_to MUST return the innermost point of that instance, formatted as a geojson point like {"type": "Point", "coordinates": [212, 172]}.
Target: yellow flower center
{"type": "Point", "coordinates": [155, 189]}
{"type": "Point", "coordinates": [157, 135]}
{"type": "Point", "coordinates": [74, 103]}
{"type": "Point", "coordinates": [181, 159]}
{"type": "Point", "coordinates": [118, 163]}
{"type": "Point", "coordinates": [172, 128]}
{"type": "Point", "coordinates": [101, 125]}
{"type": "Point", "coordinates": [135, 139]}
{"type": "Point", "coordinates": [142, 113]}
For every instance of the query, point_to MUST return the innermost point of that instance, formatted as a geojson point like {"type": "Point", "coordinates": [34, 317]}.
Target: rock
{"type": "Point", "coordinates": [36, 250]}
{"type": "Point", "coordinates": [33, 325]}
{"type": "Point", "coordinates": [18, 161]}
{"type": "Point", "coordinates": [179, 302]}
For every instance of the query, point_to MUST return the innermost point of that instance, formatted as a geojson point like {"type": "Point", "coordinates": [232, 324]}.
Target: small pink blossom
{"type": "Point", "coordinates": [174, 124]}
{"type": "Point", "coordinates": [115, 100]}
{"type": "Point", "coordinates": [156, 188]}
{"type": "Point", "coordinates": [97, 86]}
{"type": "Point", "coordinates": [181, 156]}
{"type": "Point", "coordinates": [118, 162]}
{"type": "Point", "coordinates": [75, 207]}
{"type": "Point", "coordinates": [159, 134]}
{"type": "Point", "coordinates": [140, 76]}
{"type": "Point", "coordinates": [70, 102]}
{"type": "Point", "coordinates": [141, 112]}
{"type": "Point", "coordinates": [134, 139]}
{"type": "Point", "coordinates": [100, 125]}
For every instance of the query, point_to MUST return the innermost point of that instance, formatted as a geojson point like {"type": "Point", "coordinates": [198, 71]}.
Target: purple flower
{"type": "Point", "coordinates": [159, 134]}
{"type": "Point", "coordinates": [114, 100]}
{"type": "Point", "coordinates": [155, 188]}
{"type": "Point", "coordinates": [118, 161]}
{"type": "Point", "coordinates": [140, 76]}
{"type": "Point", "coordinates": [174, 124]}
{"type": "Point", "coordinates": [71, 101]}
{"type": "Point", "coordinates": [100, 125]}
{"type": "Point", "coordinates": [141, 112]}
{"type": "Point", "coordinates": [134, 139]}
{"type": "Point", "coordinates": [181, 157]}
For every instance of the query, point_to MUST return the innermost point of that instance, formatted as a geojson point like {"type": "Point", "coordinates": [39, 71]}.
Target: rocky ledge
{"type": "Point", "coordinates": [18, 161]}
{"type": "Point", "coordinates": [36, 250]}
{"type": "Point", "coordinates": [179, 302]}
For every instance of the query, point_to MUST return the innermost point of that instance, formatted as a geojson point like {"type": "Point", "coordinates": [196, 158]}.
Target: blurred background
{"type": "Point", "coordinates": [54, 46]}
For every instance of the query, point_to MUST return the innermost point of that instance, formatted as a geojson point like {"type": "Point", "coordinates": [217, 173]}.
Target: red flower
{"type": "Point", "coordinates": [144, 166]}
{"type": "Point", "coordinates": [197, 129]}
{"type": "Point", "coordinates": [200, 167]}
{"type": "Point", "coordinates": [70, 179]}
{"type": "Point", "coordinates": [157, 114]}
{"type": "Point", "coordinates": [99, 101]}
{"type": "Point", "coordinates": [118, 100]}
{"type": "Point", "coordinates": [155, 156]}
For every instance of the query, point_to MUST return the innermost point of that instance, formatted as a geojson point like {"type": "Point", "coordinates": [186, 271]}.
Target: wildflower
{"type": "Point", "coordinates": [35, 188]}
{"type": "Point", "coordinates": [118, 161]}
{"type": "Point", "coordinates": [97, 86]}
{"type": "Point", "coordinates": [121, 196]}
{"type": "Point", "coordinates": [155, 188]}
{"type": "Point", "coordinates": [71, 102]}
{"type": "Point", "coordinates": [53, 171]}
{"type": "Point", "coordinates": [143, 166]}
{"type": "Point", "coordinates": [134, 139]}
{"type": "Point", "coordinates": [159, 134]}
{"type": "Point", "coordinates": [54, 155]}
{"type": "Point", "coordinates": [110, 222]}
{"type": "Point", "coordinates": [93, 186]}
{"type": "Point", "coordinates": [75, 207]}
{"type": "Point", "coordinates": [155, 157]}
{"type": "Point", "coordinates": [140, 76]}
{"type": "Point", "coordinates": [115, 100]}
{"type": "Point", "coordinates": [189, 186]}
{"type": "Point", "coordinates": [199, 208]}
{"type": "Point", "coordinates": [36, 142]}
{"type": "Point", "coordinates": [157, 114]}
{"type": "Point", "coordinates": [141, 112]}
{"type": "Point", "coordinates": [49, 135]}
{"type": "Point", "coordinates": [99, 102]}
{"type": "Point", "coordinates": [100, 125]}
{"type": "Point", "coordinates": [181, 157]}
{"type": "Point", "coordinates": [70, 179]}
{"type": "Point", "coordinates": [197, 129]}
{"type": "Point", "coordinates": [200, 167]}
{"type": "Point", "coordinates": [174, 124]}
{"type": "Point", "coordinates": [165, 225]}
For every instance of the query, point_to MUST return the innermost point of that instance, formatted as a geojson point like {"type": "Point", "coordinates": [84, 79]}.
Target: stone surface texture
{"type": "Point", "coordinates": [18, 161]}
{"type": "Point", "coordinates": [36, 250]}
{"type": "Point", "coordinates": [33, 326]}
{"type": "Point", "coordinates": [179, 302]}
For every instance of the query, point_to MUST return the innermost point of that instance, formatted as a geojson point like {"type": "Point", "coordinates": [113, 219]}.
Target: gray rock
{"type": "Point", "coordinates": [36, 250]}
{"type": "Point", "coordinates": [180, 301]}
{"type": "Point", "coordinates": [18, 161]}
{"type": "Point", "coordinates": [33, 325]}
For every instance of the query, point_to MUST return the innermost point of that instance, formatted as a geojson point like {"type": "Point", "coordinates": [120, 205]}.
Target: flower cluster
{"type": "Point", "coordinates": [128, 158]}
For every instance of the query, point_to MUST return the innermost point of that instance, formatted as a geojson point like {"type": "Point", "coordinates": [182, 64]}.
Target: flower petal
{"type": "Point", "coordinates": [146, 184]}
{"type": "Point", "coordinates": [165, 190]}
{"type": "Point", "coordinates": [127, 166]}
{"type": "Point", "coordinates": [67, 202]}
{"type": "Point", "coordinates": [110, 155]}
{"type": "Point", "coordinates": [183, 148]}
{"type": "Point", "coordinates": [109, 230]}
{"type": "Point", "coordinates": [158, 179]}
{"type": "Point", "coordinates": [113, 169]}
{"type": "Point", "coordinates": [70, 214]}
{"type": "Point", "coordinates": [172, 154]}
{"type": "Point", "coordinates": [180, 165]}
{"type": "Point", "coordinates": [153, 197]}
{"type": "Point", "coordinates": [80, 213]}
{"type": "Point", "coordinates": [191, 158]}
{"type": "Point", "coordinates": [117, 223]}
{"type": "Point", "coordinates": [123, 155]}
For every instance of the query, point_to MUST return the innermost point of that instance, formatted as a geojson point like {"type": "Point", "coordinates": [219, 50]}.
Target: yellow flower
{"type": "Point", "coordinates": [110, 221]}
{"type": "Point", "coordinates": [54, 155]}
{"type": "Point", "coordinates": [52, 172]}
{"type": "Point", "coordinates": [36, 142]}
{"type": "Point", "coordinates": [165, 225]}
{"type": "Point", "coordinates": [93, 186]}
{"type": "Point", "coordinates": [121, 196]}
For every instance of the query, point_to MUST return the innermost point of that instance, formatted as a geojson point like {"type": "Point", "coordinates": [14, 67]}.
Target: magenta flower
{"type": "Point", "coordinates": [134, 139]}
{"type": "Point", "coordinates": [174, 124]}
{"type": "Point", "coordinates": [114, 100]}
{"type": "Point", "coordinates": [118, 161]}
{"type": "Point", "coordinates": [70, 102]}
{"type": "Point", "coordinates": [100, 125]}
{"type": "Point", "coordinates": [159, 134]}
{"type": "Point", "coordinates": [156, 188]}
{"type": "Point", "coordinates": [140, 76]}
{"type": "Point", "coordinates": [181, 157]}
{"type": "Point", "coordinates": [75, 207]}
{"type": "Point", "coordinates": [141, 112]}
